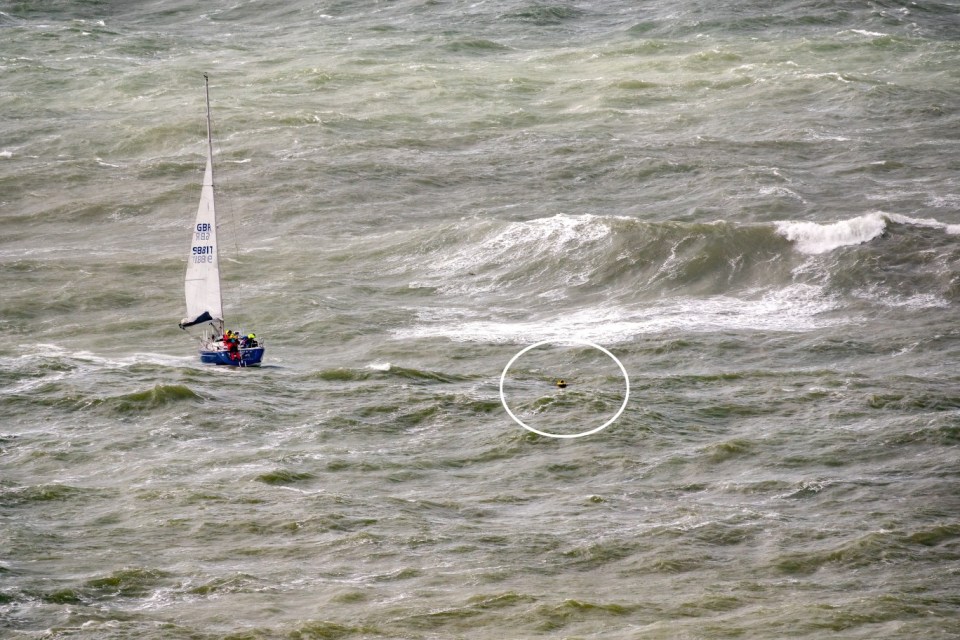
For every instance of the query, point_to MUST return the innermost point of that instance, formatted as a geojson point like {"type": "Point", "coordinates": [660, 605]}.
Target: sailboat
{"type": "Point", "coordinates": [202, 282]}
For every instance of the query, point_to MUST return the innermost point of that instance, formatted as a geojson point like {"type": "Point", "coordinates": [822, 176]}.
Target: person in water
{"type": "Point", "coordinates": [562, 383]}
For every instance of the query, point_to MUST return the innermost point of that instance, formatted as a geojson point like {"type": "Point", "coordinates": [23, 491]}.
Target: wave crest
{"type": "Point", "coordinates": [610, 278]}
{"type": "Point", "coordinates": [815, 238]}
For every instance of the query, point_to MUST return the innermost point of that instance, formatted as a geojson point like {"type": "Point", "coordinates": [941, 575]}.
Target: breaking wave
{"type": "Point", "coordinates": [815, 238]}
{"type": "Point", "coordinates": [612, 278]}
{"type": "Point", "coordinates": [557, 254]}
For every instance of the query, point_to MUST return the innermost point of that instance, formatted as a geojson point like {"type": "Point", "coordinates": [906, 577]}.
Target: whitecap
{"type": "Point", "coordinates": [870, 34]}
{"type": "Point", "coordinates": [813, 237]}
{"type": "Point", "coordinates": [931, 223]}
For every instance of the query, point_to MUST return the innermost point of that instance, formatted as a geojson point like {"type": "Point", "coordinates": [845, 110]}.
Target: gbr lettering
{"type": "Point", "coordinates": [203, 232]}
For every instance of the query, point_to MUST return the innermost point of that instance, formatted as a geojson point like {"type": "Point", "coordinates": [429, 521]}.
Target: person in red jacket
{"type": "Point", "coordinates": [232, 344]}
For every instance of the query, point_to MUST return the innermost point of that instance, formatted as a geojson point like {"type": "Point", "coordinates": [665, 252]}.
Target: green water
{"type": "Point", "coordinates": [753, 207]}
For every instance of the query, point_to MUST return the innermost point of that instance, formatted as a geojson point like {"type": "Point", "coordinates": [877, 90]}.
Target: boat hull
{"type": "Point", "coordinates": [248, 357]}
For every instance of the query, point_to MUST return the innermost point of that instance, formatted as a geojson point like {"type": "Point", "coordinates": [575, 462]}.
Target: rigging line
{"type": "Point", "coordinates": [220, 190]}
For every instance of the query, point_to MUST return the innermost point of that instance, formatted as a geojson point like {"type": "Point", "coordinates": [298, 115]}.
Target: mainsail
{"type": "Point", "coordinates": [202, 286]}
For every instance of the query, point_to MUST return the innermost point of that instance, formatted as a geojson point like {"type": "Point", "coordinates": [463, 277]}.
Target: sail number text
{"type": "Point", "coordinates": [203, 254]}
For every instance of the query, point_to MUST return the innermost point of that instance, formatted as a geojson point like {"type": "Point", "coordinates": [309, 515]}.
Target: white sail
{"type": "Point", "coordinates": [202, 282]}
{"type": "Point", "coordinates": [202, 285]}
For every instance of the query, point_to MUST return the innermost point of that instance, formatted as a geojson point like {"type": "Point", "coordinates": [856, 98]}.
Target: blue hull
{"type": "Point", "coordinates": [248, 357]}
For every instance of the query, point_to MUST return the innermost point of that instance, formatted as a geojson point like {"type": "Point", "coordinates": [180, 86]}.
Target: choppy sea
{"type": "Point", "coordinates": [733, 229]}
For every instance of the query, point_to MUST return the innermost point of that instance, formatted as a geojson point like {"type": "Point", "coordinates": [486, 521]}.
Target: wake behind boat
{"type": "Point", "coordinates": [202, 282]}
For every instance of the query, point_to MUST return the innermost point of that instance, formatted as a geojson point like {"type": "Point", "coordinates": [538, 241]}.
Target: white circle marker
{"type": "Point", "coordinates": [626, 395]}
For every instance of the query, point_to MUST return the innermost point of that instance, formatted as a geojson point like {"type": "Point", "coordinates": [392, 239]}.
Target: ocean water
{"type": "Point", "coordinates": [752, 207]}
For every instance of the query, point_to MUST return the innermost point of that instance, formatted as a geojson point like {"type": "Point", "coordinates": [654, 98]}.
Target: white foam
{"type": "Point", "coordinates": [45, 351]}
{"type": "Point", "coordinates": [950, 201]}
{"type": "Point", "coordinates": [952, 229]}
{"type": "Point", "coordinates": [42, 349]}
{"type": "Point", "coordinates": [869, 34]}
{"type": "Point", "coordinates": [379, 366]}
{"type": "Point", "coordinates": [500, 251]}
{"type": "Point", "coordinates": [813, 238]}
{"type": "Point", "coordinates": [795, 308]}
{"type": "Point", "coordinates": [916, 301]}
{"type": "Point", "coordinates": [833, 75]}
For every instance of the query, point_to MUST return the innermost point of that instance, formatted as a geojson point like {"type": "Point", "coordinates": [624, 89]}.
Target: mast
{"type": "Point", "coordinates": [206, 92]}
{"type": "Point", "coordinates": [206, 89]}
